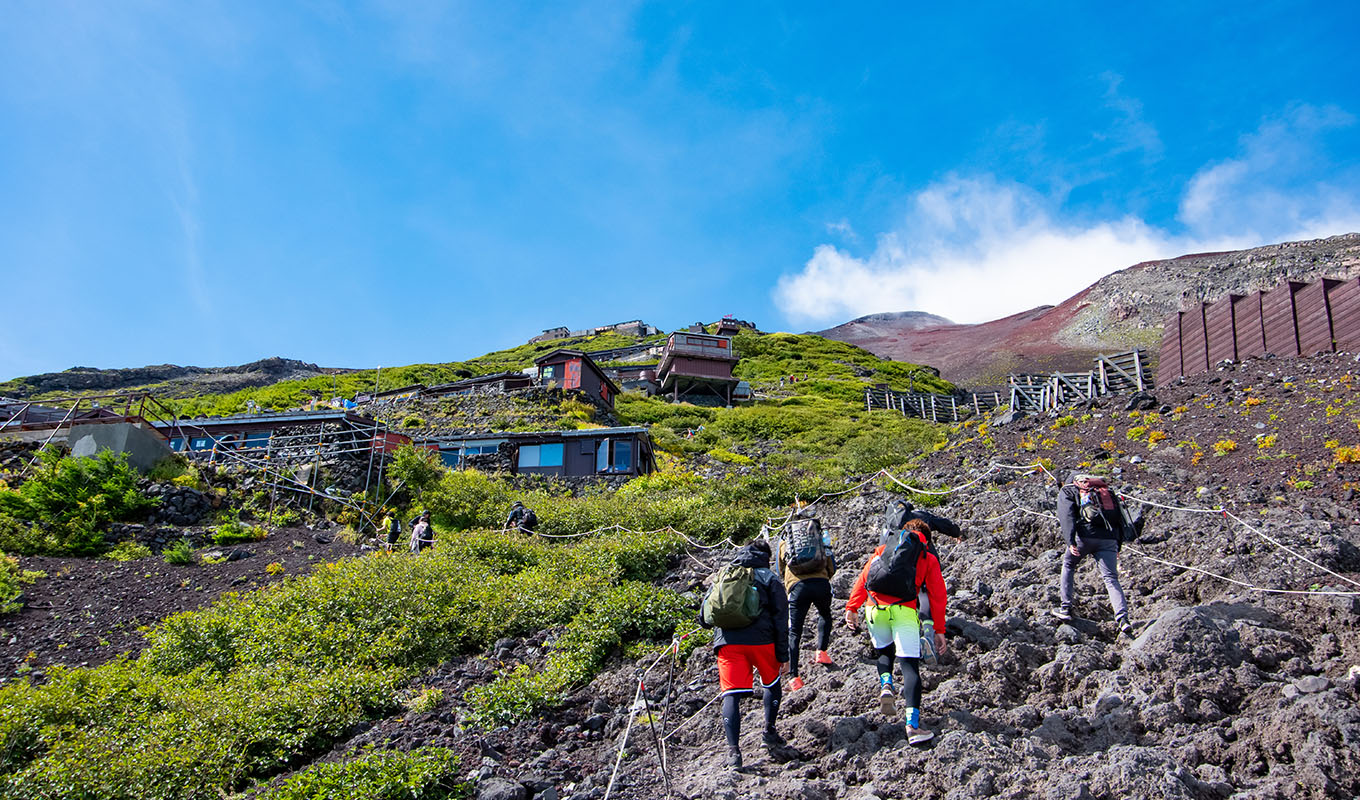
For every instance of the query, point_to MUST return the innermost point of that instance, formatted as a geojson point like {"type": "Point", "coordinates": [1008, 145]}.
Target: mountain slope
{"type": "Point", "coordinates": [1121, 311]}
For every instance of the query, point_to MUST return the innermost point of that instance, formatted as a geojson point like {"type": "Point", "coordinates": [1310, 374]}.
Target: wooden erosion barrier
{"type": "Point", "coordinates": [1125, 372]}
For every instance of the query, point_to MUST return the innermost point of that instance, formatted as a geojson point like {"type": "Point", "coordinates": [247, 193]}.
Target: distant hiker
{"type": "Point", "coordinates": [1093, 523]}
{"type": "Point", "coordinates": [422, 533]}
{"type": "Point", "coordinates": [894, 520]}
{"type": "Point", "coordinates": [748, 607]}
{"type": "Point", "coordinates": [521, 518]}
{"type": "Point", "coordinates": [392, 524]}
{"type": "Point", "coordinates": [806, 564]}
{"type": "Point", "coordinates": [891, 583]}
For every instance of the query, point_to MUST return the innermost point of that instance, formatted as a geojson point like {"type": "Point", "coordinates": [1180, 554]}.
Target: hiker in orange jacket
{"type": "Point", "coordinates": [887, 588]}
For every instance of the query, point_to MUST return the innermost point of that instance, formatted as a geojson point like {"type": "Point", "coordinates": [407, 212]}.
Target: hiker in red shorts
{"type": "Point", "coordinates": [760, 645]}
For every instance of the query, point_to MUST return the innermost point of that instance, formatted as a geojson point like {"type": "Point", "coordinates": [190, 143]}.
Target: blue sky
{"type": "Point", "coordinates": [394, 182]}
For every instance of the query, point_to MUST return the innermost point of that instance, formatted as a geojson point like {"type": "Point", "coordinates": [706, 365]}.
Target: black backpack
{"type": "Point", "coordinates": [528, 520]}
{"type": "Point", "coordinates": [893, 572]}
{"type": "Point", "coordinates": [899, 511]}
{"type": "Point", "coordinates": [806, 551]}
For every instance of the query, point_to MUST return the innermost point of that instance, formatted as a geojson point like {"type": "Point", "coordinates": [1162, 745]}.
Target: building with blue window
{"type": "Point", "coordinates": [599, 452]}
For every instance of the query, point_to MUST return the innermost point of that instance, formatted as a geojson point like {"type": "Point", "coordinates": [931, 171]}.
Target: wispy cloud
{"type": "Point", "coordinates": [973, 248]}
{"type": "Point", "coordinates": [1131, 131]}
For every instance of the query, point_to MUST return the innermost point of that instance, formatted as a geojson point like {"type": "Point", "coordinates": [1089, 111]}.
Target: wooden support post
{"type": "Point", "coordinates": [1138, 367]}
{"type": "Point", "coordinates": [933, 417]}
{"type": "Point", "coordinates": [868, 400]}
{"type": "Point", "coordinates": [976, 405]}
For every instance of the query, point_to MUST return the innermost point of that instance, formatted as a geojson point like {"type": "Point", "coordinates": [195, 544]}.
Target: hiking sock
{"type": "Point", "coordinates": [912, 717]}
{"type": "Point", "coordinates": [911, 681]}
{"type": "Point", "coordinates": [773, 695]}
{"type": "Point", "coordinates": [731, 715]}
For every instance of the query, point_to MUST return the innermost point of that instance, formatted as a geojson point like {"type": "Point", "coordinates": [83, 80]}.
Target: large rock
{"type": "Point", "coordinates": [1186, 640]}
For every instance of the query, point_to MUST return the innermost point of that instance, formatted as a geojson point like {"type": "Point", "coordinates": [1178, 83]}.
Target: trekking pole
{"type": "Point", "coordinates": [656, 738]}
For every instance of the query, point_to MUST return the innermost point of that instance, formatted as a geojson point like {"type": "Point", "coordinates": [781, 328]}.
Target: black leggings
{"type": "Point", "coordinates": [911, 674]}
{"type": "Point", "coordinates": [804, 594]}
{"type": "Point", "coordinates": [731, 713]}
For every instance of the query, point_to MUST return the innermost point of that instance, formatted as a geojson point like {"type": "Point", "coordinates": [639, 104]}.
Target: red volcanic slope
{"type": "Point", "coordinates": [1123, 310]}
{"type": "Point", "coordinates": [984, 353]}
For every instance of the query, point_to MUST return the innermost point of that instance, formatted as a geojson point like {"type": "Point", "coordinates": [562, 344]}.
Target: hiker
{"type": "Point", "coordinates": [807, 565]}
{"type": "Point", "coordinates": [422, 533]}
{"type": "Point", "coordinates": [392, 524]}
{"type": "Point", "coordinates": [893, 521]}
{"type": "Point", "coordinates": [752, 634]}
{"type": "Point", "coordinates": [521, 518]}
{"type": "Point", "coordinates": [1093, 523]}
{"type": "Point", "coordinates": [888, 588]}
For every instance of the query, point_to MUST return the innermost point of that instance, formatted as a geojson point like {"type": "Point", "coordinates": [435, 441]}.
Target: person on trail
{"type": "Point", "coordinates": [1094, 524]}
{"type": "Point", "coordinates": [807, 566]}
{"type": "Point", "coordinates": [392, 524]}
{"type": "Point", "coordinates": [894, 520]}
{"type": "Point", "coordinates": [521, 518]}
{"type": "Point", "coordinates": [422, 533]}
{"type": "Point", "coordinates": [748, 607]}
{"type": "Point", "coordinates": [888, 587]}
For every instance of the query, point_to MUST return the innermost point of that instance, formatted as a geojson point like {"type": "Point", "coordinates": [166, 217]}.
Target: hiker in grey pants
{"type": "Point", "coordinates": [1093, 525]}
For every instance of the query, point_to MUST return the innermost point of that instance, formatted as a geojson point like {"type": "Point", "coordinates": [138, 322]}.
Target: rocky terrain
{"type": "Point", "coordinates": [1242, 680]}
{"type": "Point", "coordinates": [168, 380]}
{"type": "Point", "coordinates": [1119, 312]}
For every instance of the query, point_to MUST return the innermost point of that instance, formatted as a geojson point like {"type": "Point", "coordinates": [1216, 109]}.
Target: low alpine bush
{"type": "Point", "coordinates": [429, 773]}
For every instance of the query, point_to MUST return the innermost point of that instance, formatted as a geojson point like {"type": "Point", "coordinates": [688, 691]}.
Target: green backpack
{"type": "Point", "coordinates": [734, 601]}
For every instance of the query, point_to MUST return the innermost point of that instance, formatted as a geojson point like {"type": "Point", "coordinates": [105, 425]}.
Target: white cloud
{"type": "Point", "coordinates": [976, 248]}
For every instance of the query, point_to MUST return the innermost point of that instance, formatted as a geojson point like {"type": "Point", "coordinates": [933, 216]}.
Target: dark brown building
{"type": "Point", "coordinates": [573, 369]}
{"type": "Point", "coordinates": [697, 367]}
{"type": "Point", "coordinates": [500, 382]}
{"type": "Point", "coordinates": [600, 452]}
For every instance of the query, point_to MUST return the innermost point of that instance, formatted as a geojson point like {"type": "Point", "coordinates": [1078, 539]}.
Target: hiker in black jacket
{"type": "Point", "coordinates": [762, 646]}
{"type": "Point", "coordinates": [1093, 524]}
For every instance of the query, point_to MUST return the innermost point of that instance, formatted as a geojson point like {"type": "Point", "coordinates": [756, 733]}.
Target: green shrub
{"type": "Point", "coordinates": [70, 501]}
{"type": "Point", "coordinates": [234, 531]}
{"type": "Point", "coordinates": [417, 468]}
{"type": "Point", "coordinates": [128, 551]}
{"type": "Point", "coordinates": [181, 552]}
{"type": "Point", "coordinates": [413, 422]}
{"type": "Point", "coordinates": [12, 581]}
{"type": "Point", "coordinates": [258, 684]}
{"type": "Point", "coordinates": [429, 773]}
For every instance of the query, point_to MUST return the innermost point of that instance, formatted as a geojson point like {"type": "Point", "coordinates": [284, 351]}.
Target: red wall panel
{"type": "Point", "coordinates": [1251, 338]}
{"type": "Point", "coordinates": [1169, 356]}
{"type": "Point", "coordinates": [1343, 298]}
{"type": "Point", "coordinates": [1277, 308]}
{"type": "Point", "coordinates": [1315, 329]}
{"type": "Point", "coordinates": [1194, 349]}
{"type": "Point", "coordinates": [1218, 322]}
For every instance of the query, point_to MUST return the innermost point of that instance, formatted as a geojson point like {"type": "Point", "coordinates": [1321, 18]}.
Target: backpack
{"type": "Point", "coordinates": [806, 551]}
{"type": "Point", "coordinates": [899, 511]}
{"type": "Point", "coordinates": [734, 600]}
{"type": "Point", "coordinates": [1097, 506]}
{"type": "Point", "coordinates": [893, 572]}
{"type": "Point", "coordinates": [529, 520]}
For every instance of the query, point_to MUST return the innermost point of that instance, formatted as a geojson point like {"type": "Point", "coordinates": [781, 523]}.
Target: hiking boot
{"type": "Point", "coordinates": [887, 700]}
{"type": "Point", "coordinates": [919, 735]}
{"type": "Point", "coordinates": [1126, 628]}
{"type": "Point", "coordinates": [773, 740]}
{"type": "Point", "coordinates": [734, 758]}
{"type": "Point", "coordinates": [823, 657]}
{"type": "Point", "coordinates": [795, 683]}
{"type": "Point", "coordinates": [1063, 613]}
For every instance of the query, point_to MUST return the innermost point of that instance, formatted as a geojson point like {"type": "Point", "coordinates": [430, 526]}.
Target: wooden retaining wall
{"type": "Point", "coordinates": [1292, 319]}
